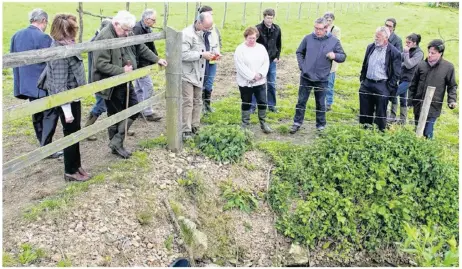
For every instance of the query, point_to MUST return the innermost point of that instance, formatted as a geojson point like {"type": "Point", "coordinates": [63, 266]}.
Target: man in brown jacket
{"type": "Point", "coordinates": [113, 62]}
{"type": "Point", "coordinates": [438, 73]}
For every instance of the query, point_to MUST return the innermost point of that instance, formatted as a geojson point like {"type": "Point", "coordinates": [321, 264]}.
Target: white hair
{"type": "Point", "coordinates": [148, 13]}
{"type": "Point", "coordinates": [37, 15]}
{"type": "Point", "coordinates": [125, 18]}
{"type": "Point", "coordinates": [384, 30]}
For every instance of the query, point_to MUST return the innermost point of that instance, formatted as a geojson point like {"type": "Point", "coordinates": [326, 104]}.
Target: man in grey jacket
{"type": "Point", "coordinates": [194, 57]}
{"type": "Point", "coordinates": [315, 55]}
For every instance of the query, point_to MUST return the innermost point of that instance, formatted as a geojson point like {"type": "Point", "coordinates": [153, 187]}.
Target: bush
{"type": "Point", "coordinates": [237, 197]}
{"type": "Point", "coordinates": [223, 142]}
{"type": "Point", "coordinates": [356, 187]}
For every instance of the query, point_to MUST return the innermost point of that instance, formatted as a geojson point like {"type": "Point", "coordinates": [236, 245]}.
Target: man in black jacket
{"type": "Point", "coordinates": [379, 78]}
{"type": "Point", "coordinates": [144, 85]}
{"type": "Point", "coordinates": [439, 73]}
{"type": "Point", "coordinates": [396, 41]}
{"type": "Point", "coordinates": [270, 37]}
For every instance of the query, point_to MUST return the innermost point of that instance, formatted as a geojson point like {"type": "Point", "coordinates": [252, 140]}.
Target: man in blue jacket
{"type": "Point", "coordinates": [315, 55]}
{"type": "Point", "coordinates": [26, 77]}
{"type": "Point", "coordinates": [379, 78]}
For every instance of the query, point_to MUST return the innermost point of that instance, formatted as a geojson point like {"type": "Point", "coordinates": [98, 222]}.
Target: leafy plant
{"type": "Point", "coordinates": [8, 260]}
{"type": "Point", "coordinates": [160, 141]}
{"type": "Point", "coordinates": [192, 183]}
{"type": "Point", "coordinates": [429, 248]}
{"type": "Point", "coordinates": [237, 197]}
{"type": "Point", "coordinates": [169, 242]}
{"type": "Point", "coordinates": [355, 187]}
{"type": "Point", "coordinates": [29, 255]}
{"type": "Point", "coordinates": [64, 263]}
{"type": "Point", "coordinates": [223, 142]}
{"type": "Point", "coordinates": [144, 217]}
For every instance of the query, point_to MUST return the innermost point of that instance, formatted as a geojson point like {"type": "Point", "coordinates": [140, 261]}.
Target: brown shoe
{"type": "Point", "coordinates": [75, 177]}
{"type": "Point", "coordinates": [84, 173]}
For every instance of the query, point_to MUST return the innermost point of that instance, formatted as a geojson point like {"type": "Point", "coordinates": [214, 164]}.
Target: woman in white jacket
{"type": "Point", "coordinates": [252, 64]}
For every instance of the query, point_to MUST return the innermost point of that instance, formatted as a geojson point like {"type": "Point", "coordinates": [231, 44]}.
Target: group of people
{"type": "Point", "coordinates": [389, 71]}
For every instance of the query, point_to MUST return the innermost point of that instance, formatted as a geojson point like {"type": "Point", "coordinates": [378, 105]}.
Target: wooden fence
{"type": "Point", "coordinates": [172, 94]}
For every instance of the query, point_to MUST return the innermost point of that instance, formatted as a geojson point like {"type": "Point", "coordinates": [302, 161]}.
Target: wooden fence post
{"type": "Point", "coordinates": [127, 6]}
{"type": "Point", "coordinates": [80, 21]}
{"type": "Point", "coordinates": [261, 3]}
{"type": "Point", "coordinates": [173, 92]}
{"type": "Point", "coordinates": [424, 111]}
{"type": "Point", "coordinates": [224, 16]}
{"type": "Point", "coordinates": [243, 14]}
{"type": "Point", "coordinates": [165, 14]}
{"type": "Point", "coordinates": [299, 10]}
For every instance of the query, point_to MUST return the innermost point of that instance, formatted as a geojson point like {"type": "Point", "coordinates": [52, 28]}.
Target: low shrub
{"type": "Point", "coordinates": [356, 187]}
{"type": "Point", "coordinates": [222, 142]}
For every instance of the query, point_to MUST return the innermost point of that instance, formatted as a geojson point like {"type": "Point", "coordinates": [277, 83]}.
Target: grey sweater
{"type": "Point", "coordinates": [311, 56]}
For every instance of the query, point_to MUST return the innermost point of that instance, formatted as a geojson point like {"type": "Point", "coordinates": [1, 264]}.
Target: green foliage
{"type": "Point", "coordinates": [29, 255]}
{"type": "Point", "coordinates": [223, 142]}
{"type": "Point", "coordinates": [64, 263]}
{"type": "Point", "coordinates": [160, 141]}
{"type": "Point", "coordinates": [357, 186]}
{"type": "Point", "coordinates": [237, 197]}
{"type": "Point", "coordinates": [8, 260]}
{"type": "Point", "coordinates": [192, 183]}
{"type": "Point", "coordinates": [168, 243]}
{"type": "Point", "coordinates": [144, 217]}
{"type": "Point", "coordinates": [429, 247]}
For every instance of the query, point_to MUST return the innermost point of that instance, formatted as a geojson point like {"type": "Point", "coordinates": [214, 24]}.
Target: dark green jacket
{"type": "Point", "coordinates": [109, 63]}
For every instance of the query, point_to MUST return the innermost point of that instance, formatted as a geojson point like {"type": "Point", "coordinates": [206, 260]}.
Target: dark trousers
{"type": "Point", "coordinates": [373, 99]}
{"type": "Point", "coordinates": [118, 101]}
{"type": "Point", "coordinates": [246, 97]}
{"type": "Point", "coordinates": [44, 124]}
{"type": "Point", "coordinates": [304, 90]}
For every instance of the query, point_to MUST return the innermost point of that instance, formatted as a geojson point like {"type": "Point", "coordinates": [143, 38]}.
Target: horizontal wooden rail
{"type": "Point", "coordinates": [44, 55]}
{"type": "Point", "coordinates": [45, 151]}
{"type": "Point", "coordinates": [27, 109]}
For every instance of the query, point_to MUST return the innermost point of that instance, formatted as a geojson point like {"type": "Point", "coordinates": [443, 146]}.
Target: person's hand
{"type": "Point", "coordinates": [276, 60]}
{"type": "Point", "coordinates": [162, 62]}
{"type": "Point", "coordinates": [330, 55]}
{"type": "Point", "coordinates": [128, 68]}
{"type": "Point", "coordinates": [207, 55]}
{"type": "Point", "coordinates": [258, 76]}
{"type": "Point", "coordinates": [452, 105]}
{"type": "Point", "coordinates": [406, 49]}
{"type": "Point", "coordinates": [216, 56]}
{"type": "Point", "coordinates": [70, 119]}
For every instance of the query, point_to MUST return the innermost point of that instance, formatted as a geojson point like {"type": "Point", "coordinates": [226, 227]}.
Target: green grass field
{"type": "Point", "coordinates": [357, 21]}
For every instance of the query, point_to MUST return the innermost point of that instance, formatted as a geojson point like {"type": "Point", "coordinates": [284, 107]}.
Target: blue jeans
{"type": "Point", "coordinates": [330, 89]}
{"type": "Point", "coordinates": [208, 83]}
{"type": "Point", "coordinates": [270, 88]}
{"type": "Point", "coordinates": [320, 97]}
{"type": "Point", "coordinates": [99, 107]}
{"type": "Point", "coordinates": [428, 130]}
{"type": "Point", "coordinates": [402, 93]}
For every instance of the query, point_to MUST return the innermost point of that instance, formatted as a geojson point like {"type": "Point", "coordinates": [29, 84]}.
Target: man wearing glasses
{"type": "Point", "coordinates": [396, 41]}
{"type": "Point", "coordinates": [315, 56]}
{"type": "Point", "coordinates": [113, 62]}
{"type": "Point", "coordinates": [144, 85]}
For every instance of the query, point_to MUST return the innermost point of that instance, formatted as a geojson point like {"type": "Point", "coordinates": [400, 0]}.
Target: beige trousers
{"type": "Point", "coordinates": [192, 105]}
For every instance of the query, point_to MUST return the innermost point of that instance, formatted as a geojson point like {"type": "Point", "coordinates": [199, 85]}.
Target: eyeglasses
{"type": "Point", "coordinates": [319, 29]}
{"type": "Point", "coordinates": [125, 30]}
{"type": "Point", "coordinates": [389, 26]}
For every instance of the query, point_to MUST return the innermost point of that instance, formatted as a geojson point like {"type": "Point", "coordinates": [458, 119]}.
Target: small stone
{"type": "Point", "coordinates": [179, 171]}
{"type": "Point", "coordinates": [163, 186]}
{"type": "Point", "coordinates": [56, 257]}
{"type": "Point", "coordinates": [172, 155]}
{"type": "Point", "coordinates": [189, 159]}
{"type": "Point", "coordinates": [150, 246]}
{"type": "Point", "coordinates": [103, 229]}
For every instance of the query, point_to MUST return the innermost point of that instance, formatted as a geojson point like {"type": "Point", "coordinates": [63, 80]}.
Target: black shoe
{"type": "Point", "coordinates": [153, 117]}
{"type": "Point", "coordinates": [122, 152]}
{"type": "Point", "coordinates": [273, 109]}
{"type": "Point", "coordinates": [294, 129]}
{"type": "Point", "coordinates": [187, 135]}
{"type": "Point", "coordinates": [195, 130]}
{"type": "Point", "coordinates": [56, 155]}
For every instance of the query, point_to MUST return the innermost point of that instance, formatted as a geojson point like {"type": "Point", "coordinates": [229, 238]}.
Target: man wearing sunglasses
{"type": "Point", "coordinates": [113, 62]}
{"type": "Point", "coordinates": [315, 55]}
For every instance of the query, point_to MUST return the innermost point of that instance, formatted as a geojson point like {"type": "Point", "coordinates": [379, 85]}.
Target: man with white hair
{"type": "Point", "coordinates": [25, 77]}
{"type": "Point", "coordinates": [144, 85]}
{"type": "Point", "coordinates": [194, 57]}
{"type": "Point", "coordinates": [379, 78]}
{"type": "Point", "coordinates": [113, 62]}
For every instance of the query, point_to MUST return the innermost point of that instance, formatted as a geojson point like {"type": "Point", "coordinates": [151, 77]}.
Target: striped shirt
{"type": "Point", "coordinates": [376, 68]}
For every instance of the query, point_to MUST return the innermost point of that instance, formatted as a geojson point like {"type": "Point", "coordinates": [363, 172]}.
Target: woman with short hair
{"type": "Point", "coordinates": [252, 64]}
{"type": "Point", "coordinates": [63, 75]}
